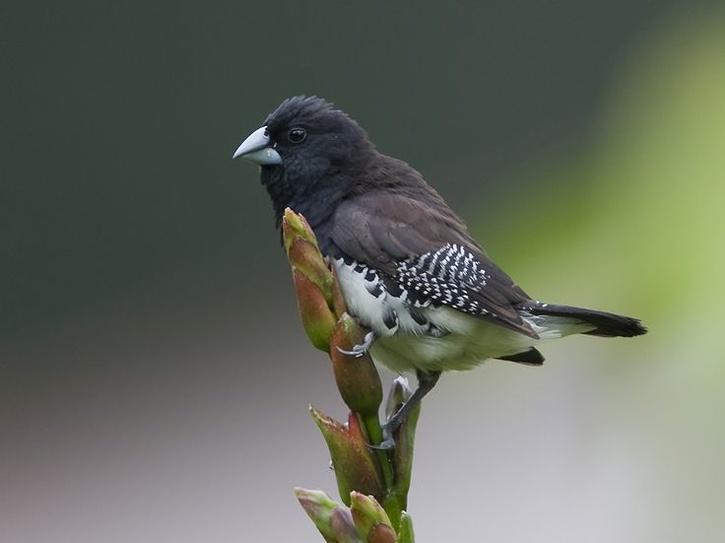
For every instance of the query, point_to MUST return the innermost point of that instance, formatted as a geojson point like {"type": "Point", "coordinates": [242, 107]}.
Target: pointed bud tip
{"type": "Point", "coordinates": [301, 492]}
{"type": "Point", "coordinates": [321, 419]}
{"type": "Point", "coordinates": [320, 508]}
{"type": "Point", "coordinates": [294, 225]}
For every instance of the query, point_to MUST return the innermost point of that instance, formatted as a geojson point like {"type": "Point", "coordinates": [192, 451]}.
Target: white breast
{"type": "Point", "coordinates": [377, 308]}
{"type": "Point", "coordinates": [366, 297]}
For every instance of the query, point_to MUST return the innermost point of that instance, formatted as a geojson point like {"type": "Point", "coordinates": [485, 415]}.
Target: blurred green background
{"type": "Point", "coordinates": [153, 375]}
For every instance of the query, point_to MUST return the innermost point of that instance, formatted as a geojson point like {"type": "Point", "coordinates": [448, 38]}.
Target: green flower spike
{"type": "Point", "coordinates": [374, 483]}
{"type": "Point", "coordinates": [364, 522]}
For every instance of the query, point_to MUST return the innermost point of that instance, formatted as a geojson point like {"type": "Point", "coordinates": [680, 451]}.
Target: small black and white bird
{"type": "Point", "coordinates": [408, 268]}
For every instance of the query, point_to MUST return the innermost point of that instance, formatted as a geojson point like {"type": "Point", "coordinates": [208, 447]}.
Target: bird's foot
{"type": "Point", "coordinates": [388, 442]}
{"type": "Point", "coordinates": [359, 350]}
{"type": "Point", "coordinates": [389, 428]}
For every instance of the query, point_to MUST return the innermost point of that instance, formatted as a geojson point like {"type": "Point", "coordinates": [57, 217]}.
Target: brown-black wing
{"type": "Point", "coordinates": [426, 249]}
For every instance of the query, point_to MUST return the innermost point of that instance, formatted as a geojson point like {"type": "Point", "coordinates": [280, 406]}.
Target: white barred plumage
{"type": "Point", "coordinates": [445, 276]}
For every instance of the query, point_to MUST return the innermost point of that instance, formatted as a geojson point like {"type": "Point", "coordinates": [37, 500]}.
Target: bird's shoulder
{"type": "Point", "coordinates": [401, 218]}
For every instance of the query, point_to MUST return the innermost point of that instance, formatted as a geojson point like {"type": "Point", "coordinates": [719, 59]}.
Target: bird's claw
{"type": "Point", "coordinates": [359, 350]}
{"type": "Point", "coordinates": [388, 442]}
{"type": "Point", "coordinates": [384, 445]}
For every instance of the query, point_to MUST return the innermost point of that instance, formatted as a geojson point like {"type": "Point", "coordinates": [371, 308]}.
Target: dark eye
{"type": "Point", "coordinates": [297, 135]}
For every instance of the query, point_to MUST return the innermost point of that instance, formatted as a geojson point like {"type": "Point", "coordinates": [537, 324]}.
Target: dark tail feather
{"type": "Point", "coordinates": [531, 357]}
{"type": "Point", "coordinates": [607, 324]}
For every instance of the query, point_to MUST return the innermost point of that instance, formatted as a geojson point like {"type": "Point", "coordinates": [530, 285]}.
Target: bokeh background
{"type": "Point", "coordinates": [154, 378]}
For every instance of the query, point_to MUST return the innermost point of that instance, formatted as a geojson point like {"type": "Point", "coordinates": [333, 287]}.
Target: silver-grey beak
{"type": "Point", "coordinates": [258, 149]}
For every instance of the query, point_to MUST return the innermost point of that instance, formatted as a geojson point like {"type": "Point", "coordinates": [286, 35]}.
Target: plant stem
{"type": "Point", "coordinates": [375, 435]}
{"type": "Point", "coordinates": [394, 504]}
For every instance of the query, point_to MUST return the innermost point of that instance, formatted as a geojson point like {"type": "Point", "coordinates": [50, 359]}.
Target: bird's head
{"type": "Point", "coordinates": [301, 146]}
{"type": "Point", "coordinates": [301, 133]}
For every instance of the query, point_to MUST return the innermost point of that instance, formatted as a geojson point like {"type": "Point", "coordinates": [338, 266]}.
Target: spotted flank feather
{"type": "Point", "coordinates": [444, 277]}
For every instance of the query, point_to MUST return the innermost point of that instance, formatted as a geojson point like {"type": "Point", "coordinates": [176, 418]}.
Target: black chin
{"type": "Point", "coordinates": [270, 172]}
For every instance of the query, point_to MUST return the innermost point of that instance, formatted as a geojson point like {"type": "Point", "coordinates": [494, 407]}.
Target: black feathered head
{"type": "Point", "coordinates": [308, 150]}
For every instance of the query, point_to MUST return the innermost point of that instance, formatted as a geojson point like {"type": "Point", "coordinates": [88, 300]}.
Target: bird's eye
{"type": "Point", "coordinates": [297, 135]}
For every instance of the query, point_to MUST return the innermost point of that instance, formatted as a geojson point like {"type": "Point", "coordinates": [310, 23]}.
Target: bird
{"type": "Point", "coordinates": [409, 270]}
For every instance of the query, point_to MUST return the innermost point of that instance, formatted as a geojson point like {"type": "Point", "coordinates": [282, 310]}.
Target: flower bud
{"type": "Point", "coordinates": [317, 319]}
{"type": "Point", "coordinates": [343, 526]}
{"type": "Point", "coordinates": [356, 377]}
{"type": "Point", "coordinates": [295, 226]}
{"type": "Point", "coordinates": [320, 508]}
{"type": "Point", "coordinates": [371, 520]}
{"type": "Point", "coordinates": [354, 463]}
{"type": "Point", "coordinates": [306, 258]}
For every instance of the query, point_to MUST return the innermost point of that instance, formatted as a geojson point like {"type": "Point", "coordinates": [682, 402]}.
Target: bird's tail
{"type": "Point", "coordinates": [605, 324]}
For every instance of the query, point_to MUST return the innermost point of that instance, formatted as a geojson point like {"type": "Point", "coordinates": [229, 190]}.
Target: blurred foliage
{"type": "Point", "coordinates": [639, 214]}
{"type": "Point", "coordinates": [635, 223]}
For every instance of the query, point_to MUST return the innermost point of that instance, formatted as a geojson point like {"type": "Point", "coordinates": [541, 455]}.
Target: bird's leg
{"type": "Point", "coordinates": [426, 382]}
{"type": "Point", "coordinates": [358, 350]}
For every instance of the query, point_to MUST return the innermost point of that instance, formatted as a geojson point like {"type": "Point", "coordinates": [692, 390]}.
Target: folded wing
{"type": "Point", "coordinates": [427, 251]}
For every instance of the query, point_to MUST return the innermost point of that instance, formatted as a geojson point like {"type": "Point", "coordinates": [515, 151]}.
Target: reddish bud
{"type": "Point", "coordinates": [320, 508]}
{"type": "Point", "coordinates": [306, 258]}
{"type": "Point", "coordinates": [343, 526]}
{"type": "Point", "coordinates": [295, 226]}
{"type": "Point", "coordinates": [317, 319]}
{"type": "Point", "coordinates": [354, 463]}
{"type": "Point", "coordinates": [371, 520]}
{"type": "Point", "coordinates": [356, 377]}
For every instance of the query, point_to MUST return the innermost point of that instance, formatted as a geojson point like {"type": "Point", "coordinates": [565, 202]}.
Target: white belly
{"type": "Point", "coordinates": [470, 342]}
{"type": "Point", "coordinates": [447, 339]}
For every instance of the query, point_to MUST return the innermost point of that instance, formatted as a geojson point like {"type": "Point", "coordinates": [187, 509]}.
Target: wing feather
{"type": "Point", "coordinates": [400, 235]}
